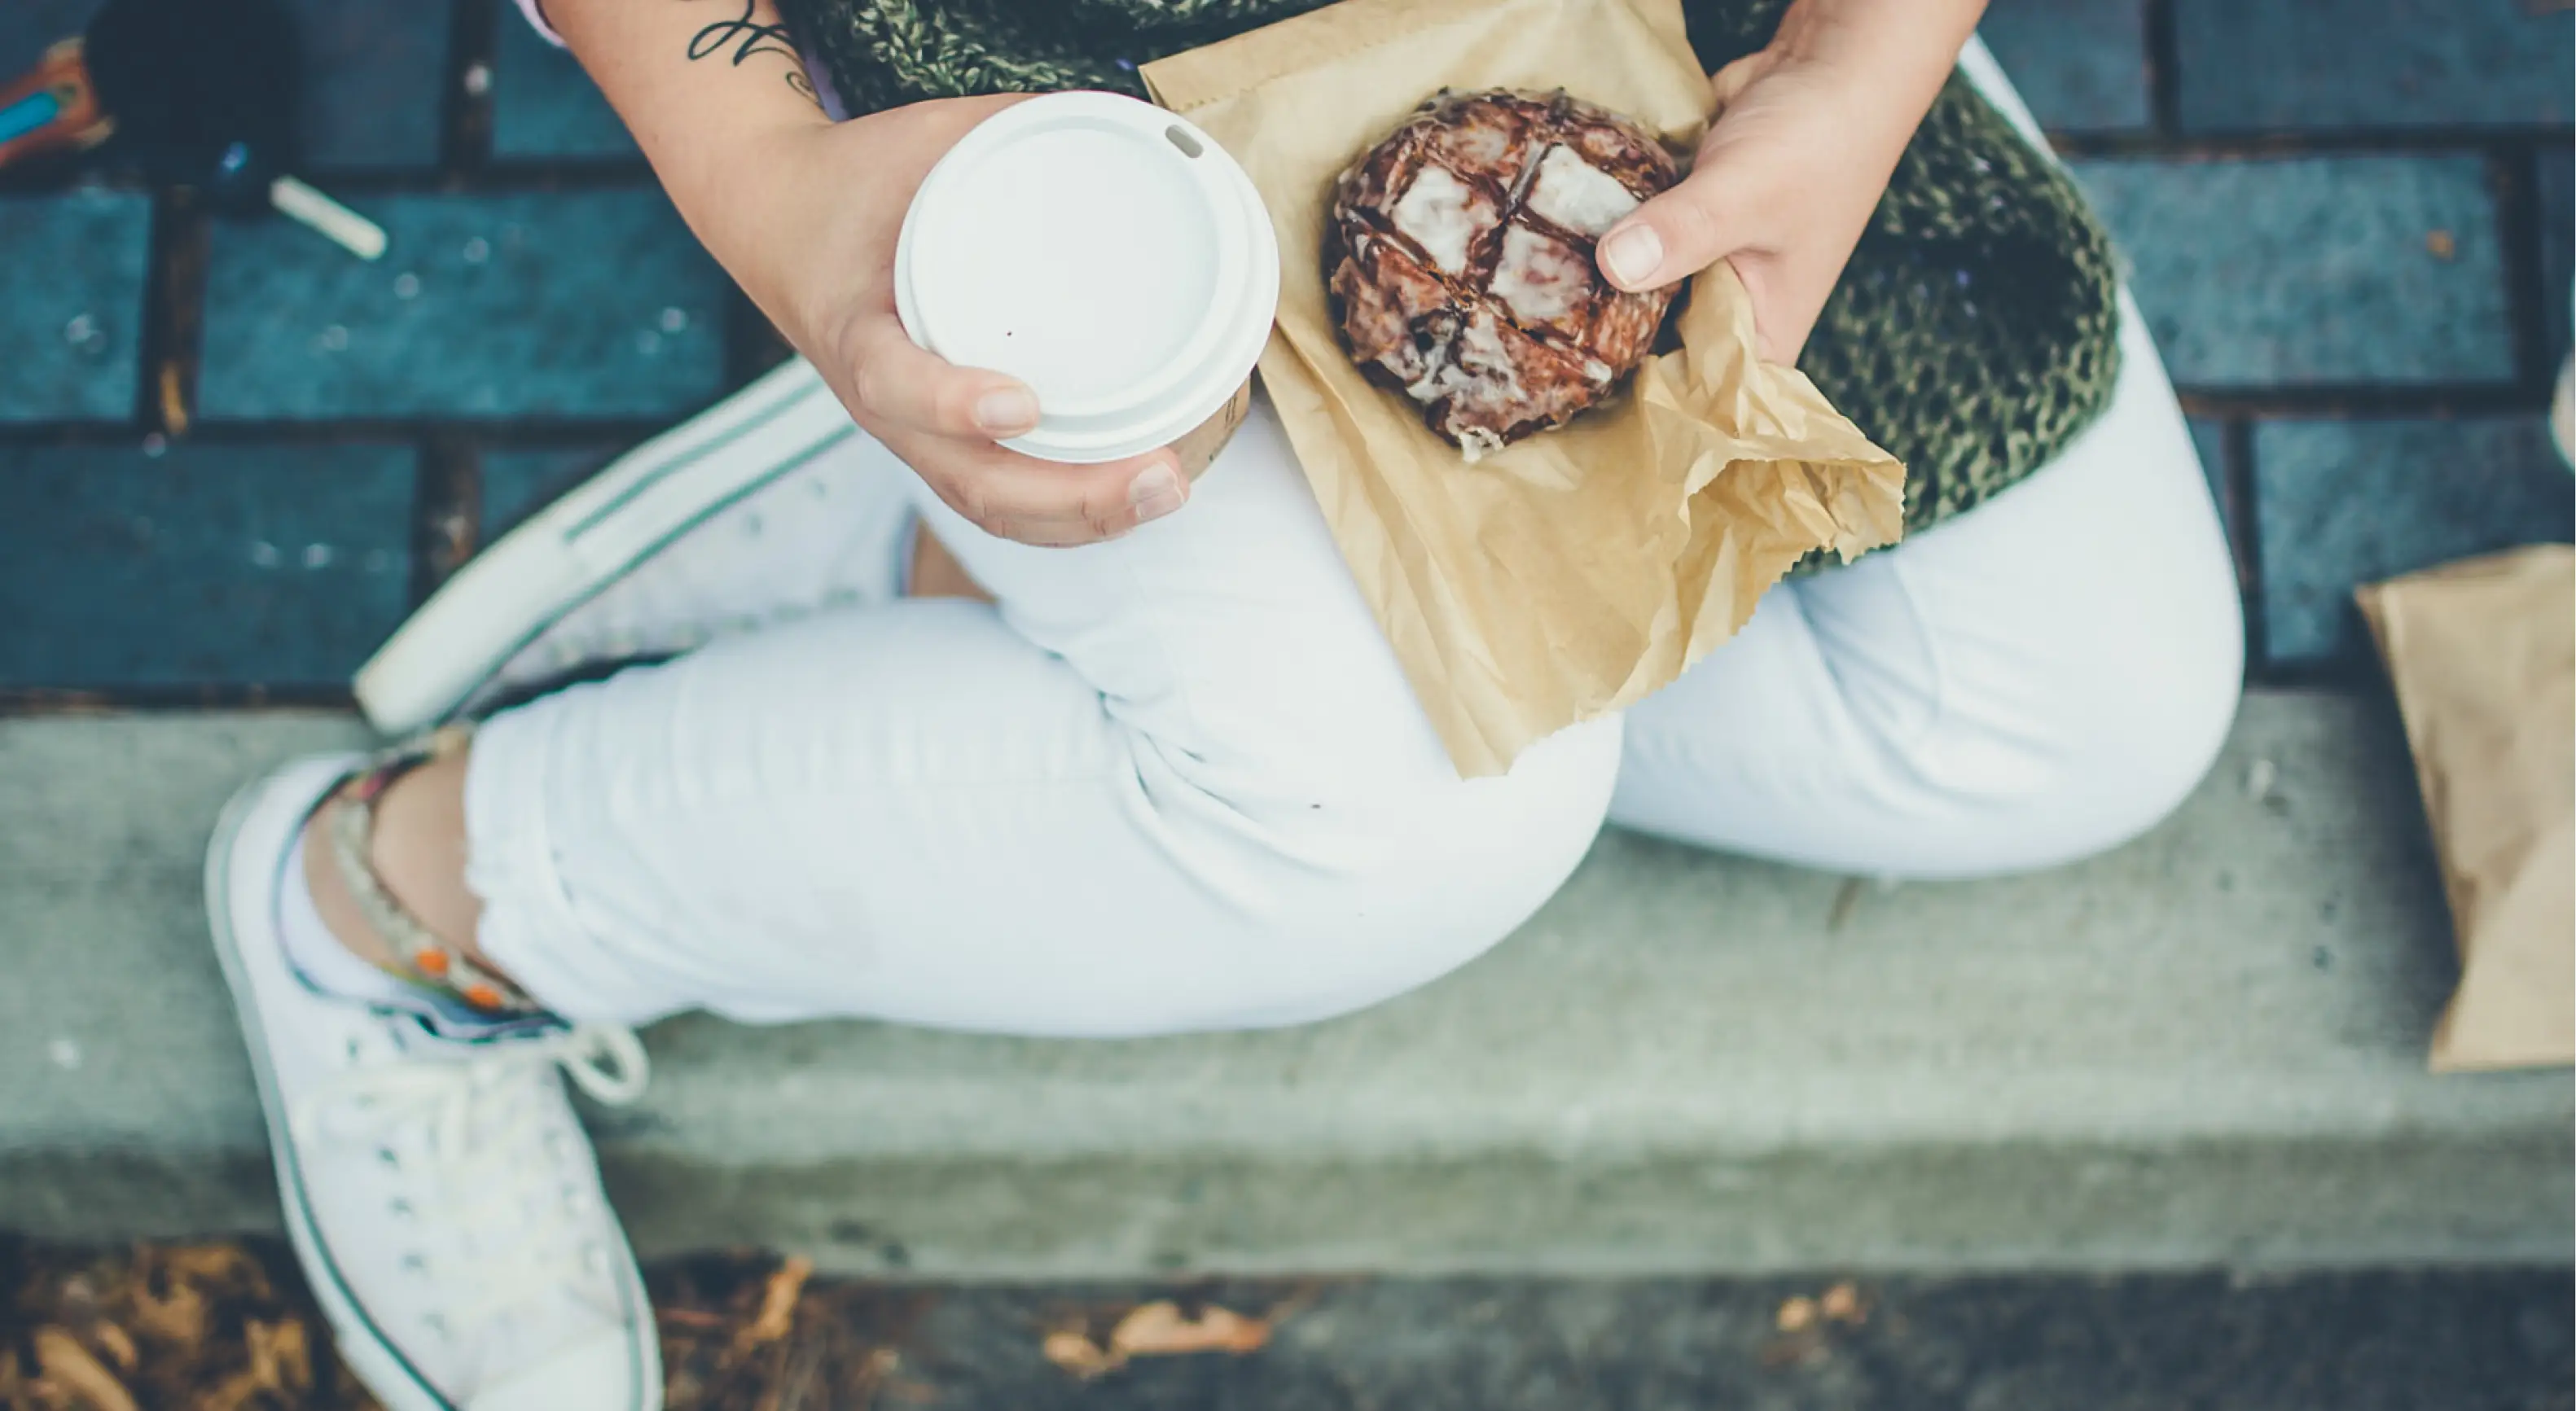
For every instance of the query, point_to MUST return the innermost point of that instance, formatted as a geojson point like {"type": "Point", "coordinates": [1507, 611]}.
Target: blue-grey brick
{"type": "Point", "coordinates": [2081, 65]}
{"type": "Point", "coordinates": [71, 304]}
{"type": "Point", "coordinates": [2209, 442]}
{"type": "Point", "coordinates": [375, 81]}
{"type": "Point", "coordinates": [230, 565]}
{"type": "Point", "coordinates": [517, 484]}
{"type": "Point", "coordinates": [575, 304]}
{"type": "Point", "coordinates": [2311, 65]}
{"type": "Point", "coordinates": [2309, 270]}
{"type": "Point", "coordinates": [2341, 503]}
{"type": "Point", "coordinates": [2557, 235]}
{"type": "Point", "coordinates": [29, 27]}
{"type": "Point", "coordinates": [543, 105]}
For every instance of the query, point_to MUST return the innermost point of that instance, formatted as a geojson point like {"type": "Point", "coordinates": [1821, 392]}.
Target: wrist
{"type": "Point", "coordinates": [1886, 59]}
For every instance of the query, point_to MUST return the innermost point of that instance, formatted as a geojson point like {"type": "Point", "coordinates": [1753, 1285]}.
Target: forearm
{"type": "Point", "coordinates": [713, 91]}
{"type": "Point", "coordinates": [1896, 54]}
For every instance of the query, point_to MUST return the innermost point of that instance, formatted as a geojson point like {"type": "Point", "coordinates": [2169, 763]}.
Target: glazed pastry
{"type": "Point", "coordinates": [1460, 261]}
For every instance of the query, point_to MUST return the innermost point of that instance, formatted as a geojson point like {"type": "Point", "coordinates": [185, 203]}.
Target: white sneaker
{"type": "Point", "coordinates": [769, 505]}
{"type": "Point", "coordinates": [441, 1195]}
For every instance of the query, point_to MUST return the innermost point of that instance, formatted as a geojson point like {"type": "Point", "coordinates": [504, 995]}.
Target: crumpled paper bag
{"type": "Point", "coordinates": [1568, 575]}
{"type": "Point", "coordinates": [2483, 656]}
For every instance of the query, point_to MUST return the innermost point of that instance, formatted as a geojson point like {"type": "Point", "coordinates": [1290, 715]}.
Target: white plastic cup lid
{"type": "Point", "coordinates": [1101, 250]}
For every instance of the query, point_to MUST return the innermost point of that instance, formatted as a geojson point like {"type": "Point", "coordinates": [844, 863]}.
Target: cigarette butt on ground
{"type": "Point", "coordinates": [344, 227]}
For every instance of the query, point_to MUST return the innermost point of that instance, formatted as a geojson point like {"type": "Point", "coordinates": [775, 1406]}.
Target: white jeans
{"type": "Point", "coordinates": [1178, 782]}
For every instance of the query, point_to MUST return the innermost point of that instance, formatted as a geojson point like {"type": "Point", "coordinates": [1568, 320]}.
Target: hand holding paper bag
{"type": "Point", "coordinates": [1570, 574]}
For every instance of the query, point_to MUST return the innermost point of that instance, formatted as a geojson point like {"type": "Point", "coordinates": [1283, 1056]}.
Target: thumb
{"type": "Point", "coordinates": [1675, 235]}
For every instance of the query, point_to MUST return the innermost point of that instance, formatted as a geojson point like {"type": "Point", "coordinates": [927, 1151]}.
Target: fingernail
{"type": "Point", "coordinates": [1155, 492]}
{"type": "Point", "coordinates": [1006, 411]}
{"type": "Point", "coordinates": [1632, 255]}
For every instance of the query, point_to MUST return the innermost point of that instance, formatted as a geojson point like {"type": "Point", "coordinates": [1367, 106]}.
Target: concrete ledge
{"type": "Point", "coordinates": [2206, 1048]}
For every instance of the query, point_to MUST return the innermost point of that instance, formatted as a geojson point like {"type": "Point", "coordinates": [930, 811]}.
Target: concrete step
{"type": "Point", "coordinates": [2205, 1048]}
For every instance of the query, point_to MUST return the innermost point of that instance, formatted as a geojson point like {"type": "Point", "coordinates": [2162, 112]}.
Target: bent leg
{"type": "Point", "coordinates": [1175, 781]}
{"type": "Point", "coordinates": [2035, 681]}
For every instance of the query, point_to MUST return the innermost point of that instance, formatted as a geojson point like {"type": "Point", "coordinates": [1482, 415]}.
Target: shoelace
{"type": "Point", "coordinates": [489, 1161]}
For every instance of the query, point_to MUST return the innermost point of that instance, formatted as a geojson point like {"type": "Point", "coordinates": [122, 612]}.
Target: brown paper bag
{"type": "Point", "coordinates": [2483, 655]}
{"type": "Point", "coordinates": [1572, 573]}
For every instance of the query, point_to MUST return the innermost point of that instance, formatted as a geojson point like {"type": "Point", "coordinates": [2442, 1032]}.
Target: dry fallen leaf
{"type": "Point", "coordinates": [1076, 1353]}
{"type": "Point", "coordinates": [278, 1353]}
{"type": "Point", "coordinates": [179, 1318]}
{"type": "Point", "coordinates": [79, 1294]}
{"type": "Point", "coordinates": [1156, 1329]}
{"type": "Point", "coordinates": [118, 1344]}
{"type": "Point", "coordinates": [778, 1302]}
{"type": "Point", "coordinates": [279, 1363]}
{"type": "Point", "coordinates": [214, 1263]}
{"type": "Point", "coordinates": [233, 1393]}
{"type": "Point", "coordinates": [1797, 1315]}
{"type": "Point", "coordinates": [1842, 1304]}
{"type": "Point", "coordinates": [65, 1362]}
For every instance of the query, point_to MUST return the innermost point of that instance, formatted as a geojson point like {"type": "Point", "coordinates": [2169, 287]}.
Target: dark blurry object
{"type": "Point", "coordinates": [204, 91]}
{"type": "Point", "coordinates": [55, 108]}
{"type": "Point", "coordinates": [198, 93]}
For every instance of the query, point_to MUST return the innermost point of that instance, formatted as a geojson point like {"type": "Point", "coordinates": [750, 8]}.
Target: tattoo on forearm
{"type": "Point", "coordinates": [746, 37]}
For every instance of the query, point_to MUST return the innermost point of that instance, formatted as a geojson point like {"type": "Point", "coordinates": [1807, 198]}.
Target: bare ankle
{"type": "Point", "coordinates": [417, 852]}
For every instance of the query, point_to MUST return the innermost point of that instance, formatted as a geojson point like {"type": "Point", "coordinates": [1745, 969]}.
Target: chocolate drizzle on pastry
{"type": "Point", "coordinates": [1460, 261]}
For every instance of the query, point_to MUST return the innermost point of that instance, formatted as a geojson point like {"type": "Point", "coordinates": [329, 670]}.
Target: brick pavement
{"type": "Point", "coordinates": [229, 456]}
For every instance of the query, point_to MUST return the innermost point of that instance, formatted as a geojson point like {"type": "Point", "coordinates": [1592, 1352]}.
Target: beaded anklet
{"type": "Point", "coordinates": [426, 960]}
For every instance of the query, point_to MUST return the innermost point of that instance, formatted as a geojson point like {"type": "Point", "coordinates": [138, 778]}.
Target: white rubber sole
{"type": "Point", "coordinates": [383, 1369]}
{"type": "Point", "coordinates": [560, 557]}
{"type": "Point", "coordinates": [377, 1364]}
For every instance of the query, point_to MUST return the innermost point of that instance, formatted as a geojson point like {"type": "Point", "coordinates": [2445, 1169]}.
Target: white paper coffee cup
{"type": "Point", "coordinates": [1106, 253]}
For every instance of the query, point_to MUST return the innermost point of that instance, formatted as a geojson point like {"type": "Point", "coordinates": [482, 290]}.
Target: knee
{"type": "Point", "coordinates": [2069, 757]}
{"type": "Point", "coordinates": [2149, 734]}
{"type": "Point", "coordinates": [2198, 700]}
{"type": "Point", "coordinates": [1385, 894]}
